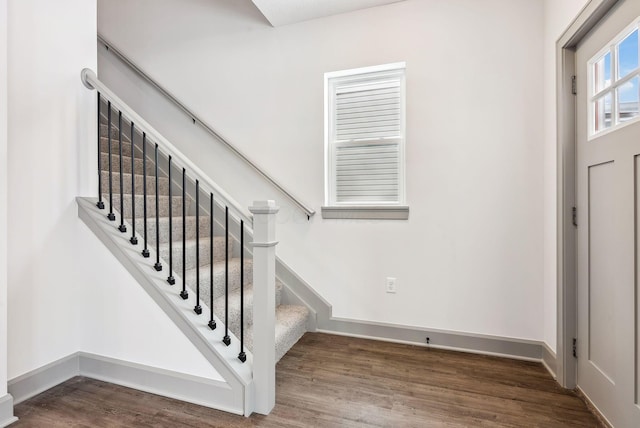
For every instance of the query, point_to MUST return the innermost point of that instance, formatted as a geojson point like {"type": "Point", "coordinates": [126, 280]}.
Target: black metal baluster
{"type": "Point", "coordinates": [145, 250]}
{"type": "Point", "coordinates": [133, 239]}
{"type": "Point", "coordinates": [184, 294]}
{"type": "Point", "coordinates": [99, 204]}
{"type": "Point", "coordinates": [122, 228]}
{"type": "Point", "coordinates": [197, 309]}
{"type": "Point", "coordinates": [212, 322]}
{"type": "Point", "coordinates": [170, 279]}
{"type": "Point", "coordinates": [157, 266]}
{"type": "Point", "coordinates": [226, 339]}
{"type": "Point", "coordinates": [111, 216]}
{"type": "Point", "coordinates": [242, 356]}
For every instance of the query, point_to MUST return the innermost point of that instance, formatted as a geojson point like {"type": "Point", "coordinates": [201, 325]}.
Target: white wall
{"type": "Point", "coordinates": [470, 257]}
{"type": "Point", "coordinates": [47, 114]}
{"type": "Point", "coordinates": [558, 14]}
{"type": "Point", "coordinates": [3, 197]}
{"type": "Point", "coordinates": [120, 320]}
{"type": "Point", "coordinates": [67, 293]}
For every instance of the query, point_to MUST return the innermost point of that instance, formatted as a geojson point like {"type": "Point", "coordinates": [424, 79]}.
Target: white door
{"type": "Point", "coordinates": [608, 202]}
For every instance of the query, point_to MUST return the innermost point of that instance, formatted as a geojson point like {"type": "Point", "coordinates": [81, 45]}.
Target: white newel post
{"type": "Point", "coordinates": [264, 304]}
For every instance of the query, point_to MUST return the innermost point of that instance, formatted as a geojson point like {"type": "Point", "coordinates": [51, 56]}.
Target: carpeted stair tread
{"type": "Point", "coordinates": [163, 183]}
{"type": "Point", "coordinates": [234, 306]}
{"type": "Point", "coordinates": [126, 148]}
{"type": "Point", "coordinates": [218, 277]}
{"type": "Point", "coordinates": [176, 228]}
{"type": "Point", "coordinates": [190, 252]}
{"type": "Point", "coordinates": [163, 204]}
{"type": "Point", "coordinates": [291, 324]}
{"type": "Point", "coordinates": [126, 164]}
{"type": "Point", "coordinates": [114, 130]}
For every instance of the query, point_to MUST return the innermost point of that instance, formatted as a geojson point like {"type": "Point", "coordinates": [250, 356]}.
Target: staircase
{"type": "Point", "coordinates": [189, 245]}
{"type": "Point", "coordinates": [291, 320]}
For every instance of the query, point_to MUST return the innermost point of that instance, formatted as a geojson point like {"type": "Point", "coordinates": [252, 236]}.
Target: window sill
{"type": "Point", "coordinates": [359, 212]}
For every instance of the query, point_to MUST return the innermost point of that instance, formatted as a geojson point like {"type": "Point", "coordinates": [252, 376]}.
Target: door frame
{"type": "Point", "coordinates": [567, 303]}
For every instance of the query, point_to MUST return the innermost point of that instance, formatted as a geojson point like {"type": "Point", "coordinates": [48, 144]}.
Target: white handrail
{"type": "Point", "coordinates": [305, 208]}
{"type": "Point", "coordinates": [91, 81]}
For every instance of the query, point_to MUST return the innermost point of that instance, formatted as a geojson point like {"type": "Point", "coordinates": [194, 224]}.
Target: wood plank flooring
{"type": "Point", "coordinates": [335, 381]}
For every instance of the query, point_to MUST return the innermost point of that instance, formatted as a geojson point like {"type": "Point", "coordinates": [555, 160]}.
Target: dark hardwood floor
{"type": "Point", "coordinates": [334, 381]}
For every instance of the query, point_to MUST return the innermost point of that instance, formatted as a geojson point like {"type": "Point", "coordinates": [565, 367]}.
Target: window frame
{"type": "Point", "coordinates": [369, 209]}
{"type": "Point", "coordinates": [616, 82]}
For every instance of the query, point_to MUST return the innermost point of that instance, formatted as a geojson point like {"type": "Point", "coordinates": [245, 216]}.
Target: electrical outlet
{"type": "Point", "coordinates": [391, 285]}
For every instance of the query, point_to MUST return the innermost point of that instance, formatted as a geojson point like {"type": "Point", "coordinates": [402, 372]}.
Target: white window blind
{"type": "Point", "coordinates": [368, 111]}
{"type": "Point", "coordinates": [367, 172]}
{"type": "Point", "coordinates": [365, 152]}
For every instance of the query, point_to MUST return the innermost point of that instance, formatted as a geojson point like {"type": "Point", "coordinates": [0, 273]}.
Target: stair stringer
{"type": "Point", "coordinates": [223, 359]}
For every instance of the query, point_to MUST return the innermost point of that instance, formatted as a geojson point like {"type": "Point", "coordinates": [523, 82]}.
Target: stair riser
{"type": "Point", "coordinates": [115, 148]}
{"type": "Point", "coordinates": [126, 164]}
{"type": "Point", "coordinates": [114, 129]}
{"type": "Point", "coordinates": [218, 252]}
{"type": "Point", "coordinates": [234, 308]}
{"type": "Point", "coordinates": [176, 229]}
{"type": "Point", "coordinates": [291, 324]}
{"type": "Point", "coordinates": [218, 278]}
{"type": "Point", "coordinates": [163, 183]}
{"type": "Point", "coordinates": [163, 205]}
{"type": "Point", "coordinates": [294, 332]}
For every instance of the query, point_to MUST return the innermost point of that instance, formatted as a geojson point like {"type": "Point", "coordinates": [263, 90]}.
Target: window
{"type": "Point", "coordinates": [614, 89]}
{"type": "Point", "coordinates": [364, 143]}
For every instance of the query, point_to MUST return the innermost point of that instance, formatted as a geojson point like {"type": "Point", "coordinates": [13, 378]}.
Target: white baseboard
{"type": "Point", "coordinates": [497, 346]}
{"type": "Point", "coordinates": [549, 360]}
{"type": "Point", "coordinates": [41, 379]}
{"type": "Point", "coordinates": [297, 291]}
{"type": "Point", "coordinates": [193, 389]}
{"type": "Point", "coordinates": [6, 411]}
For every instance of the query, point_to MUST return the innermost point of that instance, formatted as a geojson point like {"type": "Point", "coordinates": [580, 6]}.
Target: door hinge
{"type": "Point", "coordinates": [575, 216]}
{"type": "Point", "coordinates": [575, 348]}
{"type": "Point", "coordinates": [574, 85]}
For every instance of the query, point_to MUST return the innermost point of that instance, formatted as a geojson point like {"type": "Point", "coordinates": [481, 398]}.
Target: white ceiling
{"type": "Point", "coordinates": [283, 12]}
